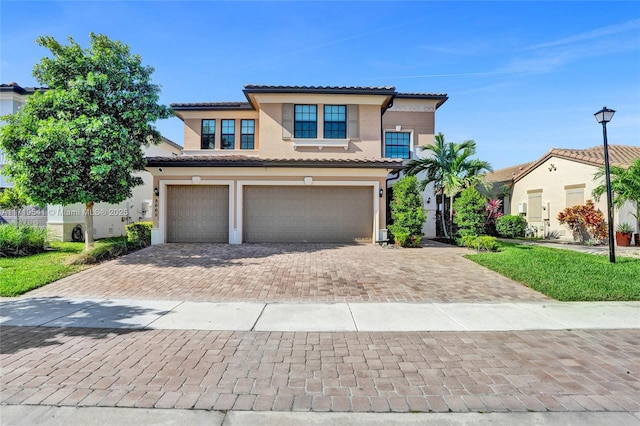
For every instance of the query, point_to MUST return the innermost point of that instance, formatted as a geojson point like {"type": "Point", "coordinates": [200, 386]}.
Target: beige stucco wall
{"type": "Point", "coordinates": [193, 128]}
{"type": "Point", "coordinates": [416, 115]}
{"type": "Point", "coordinates": [269, 138]}
{"type": "Point", "coordinates": [553, 182]}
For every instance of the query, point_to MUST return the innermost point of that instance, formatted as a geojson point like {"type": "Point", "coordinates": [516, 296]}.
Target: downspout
{"type": "Point", "coordinates": [394, 175]}
{"type": "Point", "coordinates": [383, 110]}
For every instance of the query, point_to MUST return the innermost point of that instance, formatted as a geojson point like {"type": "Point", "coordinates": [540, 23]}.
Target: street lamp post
{"type": "Point", "coordinates": [604, 116]}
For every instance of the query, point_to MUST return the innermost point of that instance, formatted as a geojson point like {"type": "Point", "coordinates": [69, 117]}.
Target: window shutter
{"type": "Point", "coordinates": [353, 122]}
{"type": "Point", "coordinates": [287, 121]}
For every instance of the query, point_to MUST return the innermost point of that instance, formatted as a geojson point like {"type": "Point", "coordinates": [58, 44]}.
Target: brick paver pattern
{"type": "Point", "coordinates": [293, 272]}
{"type": "Point", "coordinates": [362, 372]}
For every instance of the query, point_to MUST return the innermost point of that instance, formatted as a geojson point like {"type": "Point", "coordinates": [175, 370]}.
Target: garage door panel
{"type": "Point", "coordinates": [197, 214]}
{"type": "Point", "coordinates": [308, 214]}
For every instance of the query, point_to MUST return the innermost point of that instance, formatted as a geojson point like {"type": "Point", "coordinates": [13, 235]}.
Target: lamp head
{"type": "Point", "coordinates": [604, 115]}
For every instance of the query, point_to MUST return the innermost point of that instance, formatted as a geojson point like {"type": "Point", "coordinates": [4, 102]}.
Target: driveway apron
{"type": "Point", "coordinates": [293, 272]}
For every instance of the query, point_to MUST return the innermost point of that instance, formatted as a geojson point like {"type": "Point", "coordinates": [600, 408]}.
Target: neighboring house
{"type": "Point", "coordinates": [292, 164]}
{"type": "Point", "coordinates": [109, 219]}
{"type": "Point", "coordinates": [564, 178]}
{"type": "Point", "coordinates": [12, 97]}
{"type": "Point", "coordinates": [500, 185]}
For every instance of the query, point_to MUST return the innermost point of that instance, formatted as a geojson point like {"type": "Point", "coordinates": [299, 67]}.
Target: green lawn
{"type": "Point", "coordinates": [21, 274]}
{"type": "Point", "coordinates": [564, 274]}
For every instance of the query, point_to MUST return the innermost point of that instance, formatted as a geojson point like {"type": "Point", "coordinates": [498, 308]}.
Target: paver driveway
{"type": "Point", "coordinates": [293, 272]}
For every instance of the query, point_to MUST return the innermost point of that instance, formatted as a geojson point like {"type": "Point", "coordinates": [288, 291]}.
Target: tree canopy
{"type": "Point", "coordinates": [80, 141]}
{"type": "Point", "coordinates": [450, 167]}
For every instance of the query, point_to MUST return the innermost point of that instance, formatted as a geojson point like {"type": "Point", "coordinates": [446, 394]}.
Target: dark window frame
{"type": "Point", "coordinates": [336, 127]}
{"type": "Point", "coordinates": [396, 149]}
{"type": "Point", "coordinates": [224, 144]}
{"type": "Point", "coordinates": [305, 121]}
{"type": "Point", "coordinates": [208, 140]}
{"type": "Point", "coordinates": [247, 140]}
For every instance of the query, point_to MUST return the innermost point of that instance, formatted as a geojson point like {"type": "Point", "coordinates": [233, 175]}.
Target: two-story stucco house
{"type": "Point", "coordinates": [290, 164]}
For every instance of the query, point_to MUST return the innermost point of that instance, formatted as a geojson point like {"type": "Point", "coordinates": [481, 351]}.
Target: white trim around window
{"type": "Point", "coordinates": [398, 129]}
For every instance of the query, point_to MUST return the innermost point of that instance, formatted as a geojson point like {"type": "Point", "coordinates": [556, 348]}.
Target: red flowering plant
{"type": "Point", "coordinates": [586, 222]}
{"type": "Point", "coordinates": [492, 211]}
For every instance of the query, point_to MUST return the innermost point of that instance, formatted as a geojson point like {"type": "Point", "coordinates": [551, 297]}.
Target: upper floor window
{"type": "Point", "coordinates": [397, 145]}
{"type": "Point", "coordinates": [335, 121]}
{"type": "Point", "coordinates": [208, 138]}
{"type": "Point", "coordinates": [305, 121]}
{"type": "Point", "coordinates": [228, 135]}
{"type": "Point", "coordinates": [247, 134]}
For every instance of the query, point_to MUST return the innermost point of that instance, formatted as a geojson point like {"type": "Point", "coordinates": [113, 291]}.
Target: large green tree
{"type": "Point", "coordinates": [81, 140]}
{"type": "Point", "coordinates": [450, 167]}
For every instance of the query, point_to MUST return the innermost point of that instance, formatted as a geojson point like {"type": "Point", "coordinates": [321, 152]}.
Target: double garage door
{"type": "Point", "coordinates": [291, 214]}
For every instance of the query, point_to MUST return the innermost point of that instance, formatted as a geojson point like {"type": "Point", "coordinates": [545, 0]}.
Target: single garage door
{"type": "Point", "coordinates": [197, 214]}
{"type": "Point", "coordinates": [310, 214]}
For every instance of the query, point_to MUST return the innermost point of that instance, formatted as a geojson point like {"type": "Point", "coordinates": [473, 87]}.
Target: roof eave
{"type": "Point", "coordinates": [174, 162]}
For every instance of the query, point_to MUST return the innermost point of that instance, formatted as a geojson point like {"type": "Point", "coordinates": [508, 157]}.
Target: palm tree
{"type": "Point", "coordinates": [451, 169]}
{"type": "Point", "coordinates": [625, 185]}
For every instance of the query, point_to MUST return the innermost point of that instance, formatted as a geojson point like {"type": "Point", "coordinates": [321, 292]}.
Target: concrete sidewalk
{"type": "Point", "coordinates": [105, 416]}
{"type": "Point", "coordinates": [329, 317]}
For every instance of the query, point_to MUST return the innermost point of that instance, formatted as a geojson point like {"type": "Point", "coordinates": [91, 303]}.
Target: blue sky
{"type": "Point", "coordinates": [522, 77]}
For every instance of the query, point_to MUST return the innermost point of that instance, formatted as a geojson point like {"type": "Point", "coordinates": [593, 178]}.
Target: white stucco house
{"type": "Point", "coordinates": [559, 179]}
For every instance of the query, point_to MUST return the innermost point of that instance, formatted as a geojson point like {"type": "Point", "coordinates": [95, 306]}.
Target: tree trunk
{"type": "Point", "coordinates": [451, 216]}
{"type": "Point", "coordinates": [88, 226]}
{"type": "Point", "coordinates": [444, 222]}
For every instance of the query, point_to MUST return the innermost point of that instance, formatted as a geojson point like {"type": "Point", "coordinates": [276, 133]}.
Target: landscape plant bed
{"type": "Point", "coordinates": [19, 275]}
{"type": "Point", "coordinates": [565, 275]}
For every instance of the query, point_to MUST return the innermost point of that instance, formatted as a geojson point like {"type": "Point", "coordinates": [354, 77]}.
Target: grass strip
{"type": "Point", "coordinates": [565, 275]}
{"type": "Point", "coordinates": [19, 275]}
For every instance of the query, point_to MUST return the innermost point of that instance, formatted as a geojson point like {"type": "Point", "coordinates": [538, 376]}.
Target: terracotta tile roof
{"type": "Point", "coordinates": [376, 90]}
{"type": "Point", "coordinates": [418, 95]}
{"type": "Point", "coordinates": [619, 155]}
{"type": "Point", "coordinates": [211, 106]}
{"type": "Point", "coordinates": [254, 161]}
{"type": "Point", "coordinates": [507, 174]}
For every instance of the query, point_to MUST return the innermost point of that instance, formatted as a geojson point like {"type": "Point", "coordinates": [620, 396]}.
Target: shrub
{"type": "Point", "coordinates": [482, 242]}
{"type": "Point", "coordinates": [407, 213]}
{"type": "Point", "coordinates": [469, 212]}
{"type": "Point", "coordinates": [139, 234]}
{"type": "Point", "coordinates": [511, 226]}
{"type": "Point", "coordinates": [585, 222]}
{"type": "Point", "coordinates": [109, 249]}
{"type": "Point", "coordinates": [22, 240]}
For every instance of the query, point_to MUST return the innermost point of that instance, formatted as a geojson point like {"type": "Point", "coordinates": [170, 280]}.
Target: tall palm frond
{"type": "Point", "coordinates": [450, 167]}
